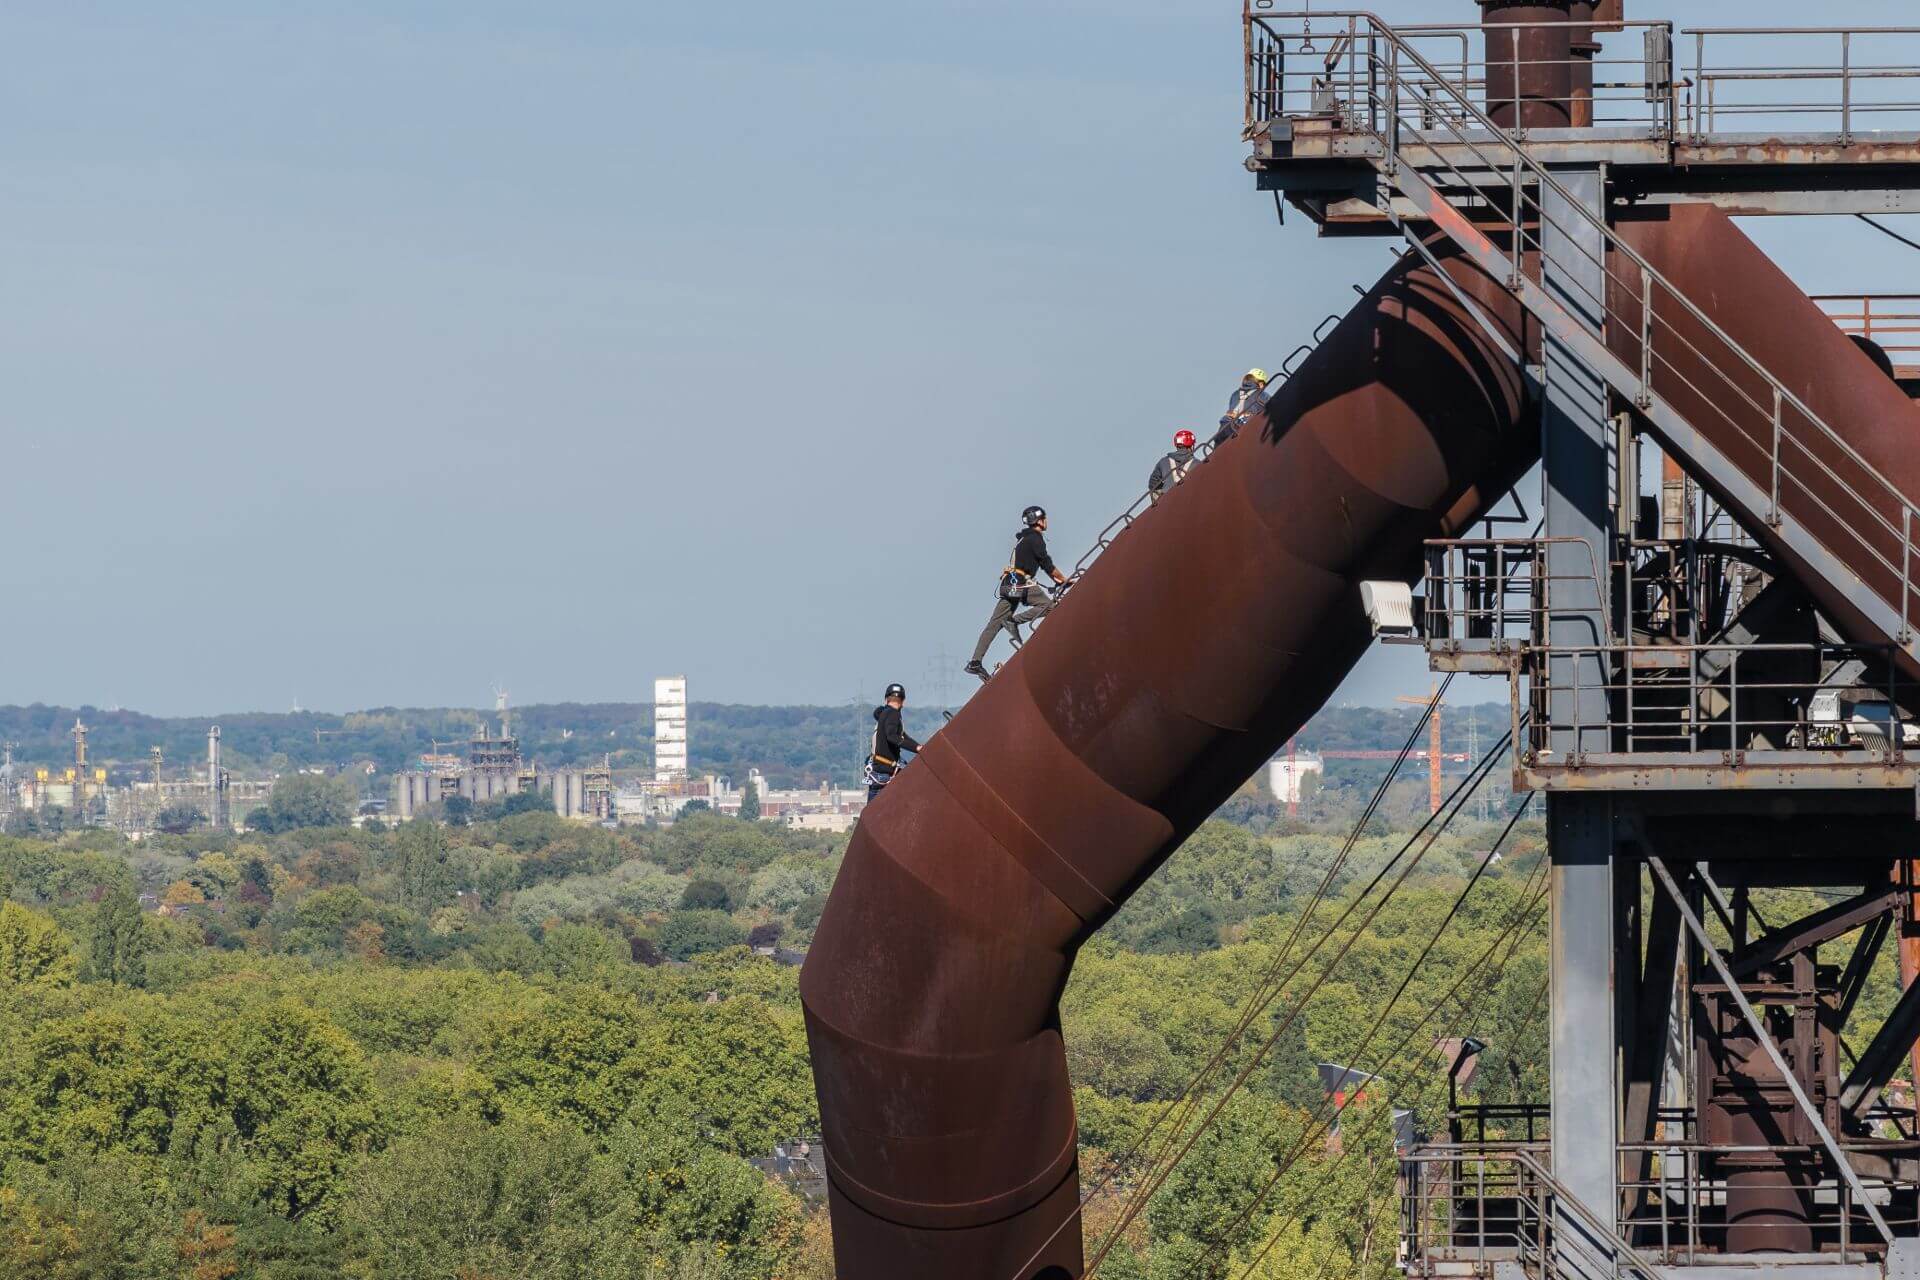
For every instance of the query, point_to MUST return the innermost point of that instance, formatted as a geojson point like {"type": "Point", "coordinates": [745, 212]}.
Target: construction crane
{"type": "Point", "coordinates": [1433, 744]}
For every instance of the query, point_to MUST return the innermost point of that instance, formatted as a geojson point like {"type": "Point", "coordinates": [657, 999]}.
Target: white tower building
{"type": "Point", "coordinates": [670, 729]}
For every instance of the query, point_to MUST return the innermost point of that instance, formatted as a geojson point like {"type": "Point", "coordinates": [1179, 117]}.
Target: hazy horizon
{"type": "Point", "coordinates": [1456, 698]}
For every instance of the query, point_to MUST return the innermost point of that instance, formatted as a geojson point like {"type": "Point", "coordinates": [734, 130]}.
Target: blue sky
{"type": "Point", "coordinates": [374, 353]}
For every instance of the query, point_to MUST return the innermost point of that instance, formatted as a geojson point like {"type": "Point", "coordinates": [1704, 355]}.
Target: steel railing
{"type": "Point", "coordinates": [1484, 1203]}
{"type": "Point", "coordinates": [1841, 76]}
{"type": "Point", "coordinates": [1498, 596]}
{"type": "Point", "coordinates": [1310, 76]}
{"type": "Point", "coordinates": [1499, 1203]}
{"type": "Point", "coordinates": [1203, 450]}
{"type": "Point", "coordinates": [1696, 698]}
{"type": "Point", "coordinates": [1686, 1177]}
{"type": "Point", "coordinates": [1514, 201]}
{"type": "Point", "coordinates": [1827, 82]}
{"type": "Point", "coordinates": [1501, 591]}
{"type": "Point", "coordinates": [1889, 320]}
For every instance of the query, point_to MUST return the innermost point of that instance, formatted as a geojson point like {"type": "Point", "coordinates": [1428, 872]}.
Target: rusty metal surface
{"type": "Point", "coordinates": [1774, 771]}
{"type": "Point", "coordinates": [1530, 73]}
{"type": "Point", "coordinates": [1768, 150]}
{"type": "Point", "coordinates": [1187, 655]}
{"type": "Point", "coordinates": [1705, 256]}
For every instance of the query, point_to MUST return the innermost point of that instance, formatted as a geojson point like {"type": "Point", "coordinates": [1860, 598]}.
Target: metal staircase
{"type": "Point", "coordinates": [1791, 476]}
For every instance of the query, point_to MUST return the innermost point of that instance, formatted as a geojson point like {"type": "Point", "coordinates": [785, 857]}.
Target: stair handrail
{"type": "Point", "coordinates": [1518, 161]}
{"type": "Point", "coordinates": [1569, 1206]}
{"type": "Point", "coordinates": [1201, 452]}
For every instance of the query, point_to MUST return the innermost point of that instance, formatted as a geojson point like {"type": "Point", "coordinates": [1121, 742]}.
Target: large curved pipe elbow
{"type": "Point", "coordinates": [1187, 655]}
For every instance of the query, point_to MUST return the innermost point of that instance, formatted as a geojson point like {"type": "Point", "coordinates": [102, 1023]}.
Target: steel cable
{"type": "Point", "coordinates": [1258, 1000]}
{"type": "Point", "coordinates": [1380, 1020]}
{"type": "Point", "coordinates": [1510, 936]}
{"type": "Point", "coordinates": [1524, 916]}
{"type": "Point", "coordinates": [1451, 810]}
{"type": "Point", "coordinates": [1274, 982]}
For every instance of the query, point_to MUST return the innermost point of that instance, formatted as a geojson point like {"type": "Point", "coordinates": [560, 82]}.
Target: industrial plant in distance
{"type": "Point", "coordinates": [449, 781]}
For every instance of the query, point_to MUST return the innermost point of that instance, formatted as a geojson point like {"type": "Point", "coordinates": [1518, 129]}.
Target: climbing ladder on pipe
{"type": "Point", "coordinates": [1838, 521]}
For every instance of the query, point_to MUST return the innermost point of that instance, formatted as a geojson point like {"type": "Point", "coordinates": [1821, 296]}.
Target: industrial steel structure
{"type": "Point", "coordinates": [1711, 644]}
{"type": "Point", "coordinates": [492, 769]}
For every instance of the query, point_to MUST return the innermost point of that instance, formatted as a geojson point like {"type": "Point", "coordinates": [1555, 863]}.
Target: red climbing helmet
{"type": "Point", "coordinates": [1183, 439]}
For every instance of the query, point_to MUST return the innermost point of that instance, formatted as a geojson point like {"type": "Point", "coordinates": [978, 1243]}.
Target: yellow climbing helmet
{"type": "Point", "coordinates": [1258, 375]}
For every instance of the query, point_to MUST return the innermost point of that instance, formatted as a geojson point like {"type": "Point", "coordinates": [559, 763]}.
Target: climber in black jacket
{"type": "Point", "coordinates": [890, 738]}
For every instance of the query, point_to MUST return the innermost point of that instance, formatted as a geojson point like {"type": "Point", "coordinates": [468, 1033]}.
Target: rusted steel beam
{"type": "Point", "coordinates": [1189, 653]}
{"type": "Point", "coordinates": [1810, 931]}
{"type": "Point", "coordinates": [1646, 1058]}
{"type": "Point", "coordinates": [1764, 1038]}
{"type": "Point", "coordinates": [1910, 943]}
{"type": "Point", "coordinates": [1881, 1058]}
{"type": "Point", "coordinates": [1853, 981]}
{"type": "Point", "coordinates": [1853, 511]}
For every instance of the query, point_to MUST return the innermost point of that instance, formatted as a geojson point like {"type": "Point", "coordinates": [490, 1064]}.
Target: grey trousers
{"type": "Point", "coordinates": [1004, 618]}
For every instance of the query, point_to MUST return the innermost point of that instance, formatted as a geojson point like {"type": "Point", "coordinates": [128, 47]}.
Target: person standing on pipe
{"type": "Point", "coordinates": [1247, 399]}
{"type": "Point", "coordinates": [890, 738]}
{"type": "Point", "coordinates": [1173, 468]}
{"type": "Point", "coordinates": [1019, 585]}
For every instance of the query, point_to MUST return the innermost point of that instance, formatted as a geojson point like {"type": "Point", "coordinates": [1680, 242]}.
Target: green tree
{"type": "Point", "coordinates": [499, 948]}
{"type": "Point", "coordinates": [735, 1070]}
{"type": "Point", "coordinates": [576, 1058]}
{"type": "Point", "coordinates": [1110, 1050]}
{"type": "Point", "coordinates": [463, 1198]}
{"type": "Point", "coordinates": [807, 912]}
{"type": "Point", "coordinates": [690, 1203]}
{"type": "Point", "coordinates": [420, 858]}
{"type": "Point", "coordinates": [527, 802]}
{"type": "Point", "coordinates": [709, 840]}
{"type": "Point", "coordinates": [784, 885]}
{"type": "Point", "coordinates": [1291, 1066]}
{"type": "Point", "coordinates": [302, 1103]}
{"type": "Point", "coordinates": [34, 952]}
{"type": "Point", "coordinates": [177, 820]}
{"type": "Point", "coordinates": [692, 933]}
{"type": "Point", "coordinates": [310, 800]}
{"type": "Point", "coordinates": [1207, 1208]}
{"type": "Point", "coordinates": [750, 801]}
{"type": "Point", "coordinates": [1195, 929]}
{"type": "Point", "coordinates": [582, 953]}
{"type": "Point", "coordinates": [706, 894]}
{"type": "Point", "coordinates": [118, 943]}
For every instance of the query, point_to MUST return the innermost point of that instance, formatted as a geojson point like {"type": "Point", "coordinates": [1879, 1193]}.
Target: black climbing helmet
{"type": "Point", "coordinates": [1033, 516]}
{"type": "Point", "coordinates": [896, 691]}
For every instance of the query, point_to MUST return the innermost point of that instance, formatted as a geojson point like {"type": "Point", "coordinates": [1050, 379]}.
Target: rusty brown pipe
{"type": "Point", "coordinates": [1189, 652]}
{"type": "Point", "coordinates": [1700, 251]}
{"type": "Point", "coordinates": [1530, 70]}
{"type": "Point", "coordinates": [1583, 49]}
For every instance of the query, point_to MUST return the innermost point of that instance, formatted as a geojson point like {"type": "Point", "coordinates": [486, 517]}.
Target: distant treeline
{"type": "Point", "coordinates": [793, 746]}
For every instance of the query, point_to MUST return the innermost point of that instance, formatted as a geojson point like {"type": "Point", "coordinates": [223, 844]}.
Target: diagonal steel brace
{"type": "Point", "coordinates": [1760, 1031]}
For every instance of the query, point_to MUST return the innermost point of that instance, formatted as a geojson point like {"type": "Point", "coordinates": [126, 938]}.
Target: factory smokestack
{"type": "Point", "coordinates": [215, 781]}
